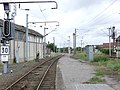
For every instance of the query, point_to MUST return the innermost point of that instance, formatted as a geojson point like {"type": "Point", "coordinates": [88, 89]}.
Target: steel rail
{"type": "Point", "coordinates": [45, 74]}
{"type": "Point", "coordinates": [27, 74]}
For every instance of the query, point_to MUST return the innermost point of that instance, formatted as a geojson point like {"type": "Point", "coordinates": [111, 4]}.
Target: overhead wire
{"type": "Point", "coordinates": [99, 14]}
{"type": "Point", "coordinates": [108, 15]}
{"type": "Point", "coordinates": [42, 12]}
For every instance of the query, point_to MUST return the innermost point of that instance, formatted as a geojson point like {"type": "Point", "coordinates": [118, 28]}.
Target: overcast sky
{"type": "Point", "coordinates": [90, 17]}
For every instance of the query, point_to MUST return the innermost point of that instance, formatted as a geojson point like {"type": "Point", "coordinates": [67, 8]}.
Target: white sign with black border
{"type": "Point", "coordinates": [4, 58]}
{"type": "Point", "coordinates": [4, 50]}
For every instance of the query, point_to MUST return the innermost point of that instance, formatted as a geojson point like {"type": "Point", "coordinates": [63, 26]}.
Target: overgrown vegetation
{"type": "Point", "coordinates": [114, 65]}
{"type": "Point", "coordinates": [80, 55]}
{"type": "Point", "coordinates": [105, 51]}
{"type": "Point", "coordinates": [107, 66]}
{"type": "Point", "coordinates": [95, 80]}
{"type": "Point", "coordinates": [100, 73]}
{"type": "Point", "coordinates": [100, 58]}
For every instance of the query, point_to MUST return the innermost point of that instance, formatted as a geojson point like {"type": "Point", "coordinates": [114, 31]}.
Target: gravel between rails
{"type": "Point", "coordinates": [18, 70]}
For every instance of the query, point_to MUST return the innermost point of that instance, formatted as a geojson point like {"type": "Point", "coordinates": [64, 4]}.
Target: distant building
{"type": "Point", "coordinates": [105, 45]}
{"type": "Point", "coordinates": [116, 44]}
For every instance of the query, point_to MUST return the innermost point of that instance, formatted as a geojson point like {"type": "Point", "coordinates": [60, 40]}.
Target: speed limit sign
{"type": "Point", "coordinates": [4, 50]}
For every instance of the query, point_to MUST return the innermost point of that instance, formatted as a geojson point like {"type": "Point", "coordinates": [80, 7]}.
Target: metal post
{"type": "Point", "coordinates": [74, 44]}
{"type": "Point", "coordinates": [75, 41]}
{"type": "Point", "coordinates": [54, 43]}
{"type": "Point", "coordinates": [26, 37]}
{"type": "Point", "coordinates": [81, 46]}
{"type": "Point", "coordinates": [69, 46]}
{"type": "Point", "coordinates": [44, 51]}
{"type": "Point", "coordinates": [5, 63]}
{"type": "Point", "coordinates": [113, 36]}
{"type": "Point", "coordinates": [109, 43]}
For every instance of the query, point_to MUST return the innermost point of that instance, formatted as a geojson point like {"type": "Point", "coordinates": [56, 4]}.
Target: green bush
{"type": "Point", "coordinates": [114, 65]}
{"type": "Point", "coordinates": [83, 56]}
{"type": "Point", "coordinates": [105, 51]}
{"type": "Point", "coordinates": [80, 55]}
{"type": "Point", "coordinates": [100, 58]}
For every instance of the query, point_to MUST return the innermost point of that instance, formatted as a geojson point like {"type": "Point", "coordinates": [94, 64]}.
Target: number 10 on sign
{"type": "Point", "coordinates": [4, 50]}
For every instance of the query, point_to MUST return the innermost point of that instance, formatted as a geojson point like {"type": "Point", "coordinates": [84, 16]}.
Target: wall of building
{"type": "Point", "coordinates": [17, 51]}
{"type": "Point", "coordinates": [18, 45]}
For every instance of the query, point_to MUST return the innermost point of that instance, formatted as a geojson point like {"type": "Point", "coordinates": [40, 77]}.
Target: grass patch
{"type": "Point", "coordinates": [114, 65]}
{"type": "Point", "coordinates": [107, 66]}
{"type": "Point", "coordinates": [95, 80]}
{"type": "Point", "coordinates": [80, 55]}
{"type": "Point", "coordinates": [111, 64]}
{"type": "Point", "coordinates": [100, 58]}
{"type": "Point", "coordinates": [100, 73]}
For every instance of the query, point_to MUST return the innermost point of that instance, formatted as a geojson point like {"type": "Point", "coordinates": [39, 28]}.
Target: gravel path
{"type": "Point", "coordinates": [18, 70]}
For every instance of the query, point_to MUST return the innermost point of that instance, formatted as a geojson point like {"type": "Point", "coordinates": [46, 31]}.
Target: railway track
{"type": "Point", "coordinates": [41, 77]}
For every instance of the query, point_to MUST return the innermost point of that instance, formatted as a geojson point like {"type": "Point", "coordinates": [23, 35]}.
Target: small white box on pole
{"type": "Point", "coordinates": [4, 58]}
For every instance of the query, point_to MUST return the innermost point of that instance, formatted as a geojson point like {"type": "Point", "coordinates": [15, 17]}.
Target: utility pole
{"type": "Point", "coordinates": [26, 57]}
{"type": "Point", "coordinates": [69, 45]}
{"type": "Point", "coordinates": [44, 51]}
{"type": "Point", "coordinates": [81, 43]}
{"type": "Point", "coordinates": [54, 44]}
{"type": "Point", "coordinates": [113, 37]}
{"type": "Point", "coordinates": [109, 42]}
{"type": "Point", "coordinates": [26, 37]}
{"type": "Point", "coordinates": [81, 46]}
{"type": "Point", "coordinates": [74, 43]}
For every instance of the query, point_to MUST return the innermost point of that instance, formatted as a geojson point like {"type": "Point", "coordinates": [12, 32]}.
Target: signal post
{"type": "Point", "coordinates": [6, 36]}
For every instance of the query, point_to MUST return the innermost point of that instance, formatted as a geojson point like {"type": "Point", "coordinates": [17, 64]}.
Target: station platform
{"type": "Point", "coordinates": [71, 74]}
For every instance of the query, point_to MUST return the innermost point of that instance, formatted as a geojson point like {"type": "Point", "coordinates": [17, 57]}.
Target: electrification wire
{"type": "Point", "coordinates": [101, 20]}
{"type": "Point", "coordinates": [99, 14]}
{"type": "Point", "coordinates": [64, 40]}
{"type": "Point", "coordinates": [42, 12]}
{"type": "Point", "coordinates": [62, 36]}
{"type": "Point", "coordinates": [104, 32]}
{"type": "Point", "coordinates": [108, 16]}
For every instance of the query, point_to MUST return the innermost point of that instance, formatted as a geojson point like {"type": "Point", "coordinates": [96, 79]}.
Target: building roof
{"type": "Point", "coordinates": [23, 29]}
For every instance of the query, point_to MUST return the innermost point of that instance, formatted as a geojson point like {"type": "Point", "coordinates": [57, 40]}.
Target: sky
{"type": "Point", "coordinates": [91, 19]}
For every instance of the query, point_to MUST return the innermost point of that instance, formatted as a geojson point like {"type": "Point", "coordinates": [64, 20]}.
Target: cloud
{"type": "Point", "coordinates": [71, 5]}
